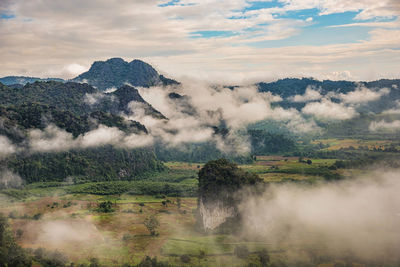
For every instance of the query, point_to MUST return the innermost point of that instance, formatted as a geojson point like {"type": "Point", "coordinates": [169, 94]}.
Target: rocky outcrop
{"type": "Point", "coordinates": [220, 184]}
{"type": "Point", "coordinates": [215, 213]}
{"type": "Point", "coordinates": [115, 72]}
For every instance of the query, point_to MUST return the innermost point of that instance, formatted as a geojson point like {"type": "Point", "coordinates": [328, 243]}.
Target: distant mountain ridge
{"type": "Point", "coordinates": [116, 72]}
{"type": "Point", "coordinates": [294, 86]}
{"type": "Point", "coordinates": [290, 87]}
{"type": "Point", "coordinates": [12, 80]}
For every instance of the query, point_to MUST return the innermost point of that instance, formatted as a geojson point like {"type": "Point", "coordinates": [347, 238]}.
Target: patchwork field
{"type": "Point", "coordinates": [335, 144]}
{"type": "Point", "coordinates": [66, 218]}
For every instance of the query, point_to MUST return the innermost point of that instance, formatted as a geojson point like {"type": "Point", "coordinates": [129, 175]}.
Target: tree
{"type": "Point", "coordinates": [151, 224]}
{"type": "Point", "coordinates": [94, 262]}
{"type": "Point", "coordinates": [105, 206]}
{"type": "Point", "coordinates": [264, 257]}
{"type": "Point", "coordinates": [241, 251]}
{"type": "Point", "coordinates": [178, 202]}
{"type": "Point", "coordinates": [10, 253]}
{"type": "Point", "coordinates": [185, 258]}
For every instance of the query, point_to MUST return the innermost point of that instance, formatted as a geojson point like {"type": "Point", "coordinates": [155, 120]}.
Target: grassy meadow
{"type": "Point", "coordinates": [65, 217]}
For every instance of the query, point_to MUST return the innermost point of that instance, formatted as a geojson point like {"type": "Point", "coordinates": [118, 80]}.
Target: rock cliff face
{"type": "Point", "coordinates": [215, 213]}
{"type": "Point", "coordinates": [220, 182]}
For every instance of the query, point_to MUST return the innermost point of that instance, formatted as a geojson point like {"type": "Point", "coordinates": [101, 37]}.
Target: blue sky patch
{"type": "Point", "coordinates": [7, 16]}
{"type": "Point", "coordinates": [212, 34]}
{"type": "Point", "coordinates": [255, 5]}
{"type": "Point", "coordinates": [170, 3]}
{"type": "Point", "coordinates": [320, 36]}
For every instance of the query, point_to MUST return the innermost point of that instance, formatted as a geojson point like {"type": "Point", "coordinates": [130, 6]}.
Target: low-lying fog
{"type": "Point", "coordinates": [360, 217]}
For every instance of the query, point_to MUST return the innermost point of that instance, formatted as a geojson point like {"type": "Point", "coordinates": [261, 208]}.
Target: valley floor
{"type": "Point", "coordinates": [65, 217]}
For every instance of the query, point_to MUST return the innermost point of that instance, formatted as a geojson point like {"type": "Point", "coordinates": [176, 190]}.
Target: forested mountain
{"type": "Point", "coordinates": [116, 72]}
{"type": "Point", "coordinates": [17, 119]}
{"type": "Point", "coordinates": [294, 86]}
{"type": "Point", "coordinates": [79, 99]}
{"type": "Point", "coordinates": [121, 101]}
{"type": "Point", "coordinates": [290, 87]}
{"type": "Point", "coordinates": [64, 105]}
{"type": "Point", "coordinates": [13, 80]}
{"type": "Point", "coordinates": [65, 96]}
{"type": "Point", "coordinates": [79, 108]}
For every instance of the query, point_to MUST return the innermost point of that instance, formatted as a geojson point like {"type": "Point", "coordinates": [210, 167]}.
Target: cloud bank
{"type": "Point", "coordinates": [54, 139]}
{"type": "Point", "coordinates": [358, 217]}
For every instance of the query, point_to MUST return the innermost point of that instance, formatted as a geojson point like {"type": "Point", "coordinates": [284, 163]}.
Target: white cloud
{"type": "Point", "coordinates": [309, 95]}
{"type": "Point", "coordinates": [340, 75]}
{"type": "Point", "coordinates": [92, 99]}
{"type": "Point", "coordinates": [395, 110]}
{"type": "Point", "coordinates": [329, 216]}
{"type": "Point", "coordinates": [6, 146]}
{"type": "Point", "coordinates": [329, 110]}
{"type": "Point", "coordinates": [54, 139]}
{"type": "Point", "coordinates": [75, 69]}
{"type": "Point", "coordinates": [9, 179]}
{"type": "Point", "coordinates": [383, 126]}
{"type": "Point", "coordinates": [68, 31]}
{"type": "Point", "coordinates": [363, 95]}
{"type": "Point", "coordinates": [213, 106]}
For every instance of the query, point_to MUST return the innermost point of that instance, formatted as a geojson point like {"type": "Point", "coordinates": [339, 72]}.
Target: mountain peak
{"type": "Point", "coordinates": [115, 60]}
{"type": "Point", "coordinates": [115, 72]}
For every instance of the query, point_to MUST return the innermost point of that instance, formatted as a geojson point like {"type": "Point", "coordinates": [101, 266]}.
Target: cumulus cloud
{"type": "Point", "coordinates": [383, 126]}
{"type": "Point", "coordinates": [340, 75]}
{"type": "Point", "coordinates": [309, 95]}
{"type": "Point", "coordinates": [358, 217]}
{"type": "Point", "coordinates": [363, 95]}
{"type": "Point", "coordinates": [328, 110]}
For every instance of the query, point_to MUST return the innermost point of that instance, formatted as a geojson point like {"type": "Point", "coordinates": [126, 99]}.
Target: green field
{"type": "Point", "coordinates": [48, 213]}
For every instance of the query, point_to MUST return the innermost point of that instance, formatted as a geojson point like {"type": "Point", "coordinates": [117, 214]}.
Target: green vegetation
{"type": "Point", "coordinates": [10, 253]}
{"type": "Point", "coordinates": [266, 143]}
{"type": "Point", "coordinates": [131, 204]}
{"type": "Point", "coordinates": [151, 224]}
{"type": "Point", "coordinates": [64, 96]}
{"type": "Point", "coordinates": [135, 188]}
{"type": "Point", "coordinates": [171, 238]}
{"type": "Point", "coordinates": [96, 164]}
{"type": "Point", "coordinates": [222, 176]}
{"type": "Point", "coordinates": [105, 206]}
{"type": "Point", "coordinates": [198, 152]}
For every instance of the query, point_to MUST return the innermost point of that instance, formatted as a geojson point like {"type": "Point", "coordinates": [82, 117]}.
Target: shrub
{"type": "Point", "coordinates": [185, 258]}
{"type": "Point", "coordinates": [241, 251]}
{"type": "Point", "coordinates": [19, 233]}
{"type": "Point", "coordinates": [37, 216]}
{"type": "Point", "coordinates": [105, 206]}
{"type": "Point", "coordinates": [264, 257]}
{"type": "Point", "coordinates": [151, 224]}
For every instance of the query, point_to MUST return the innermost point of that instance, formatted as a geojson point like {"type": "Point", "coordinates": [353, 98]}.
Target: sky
{"type": "Point", "coordinates": [222, 41]}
